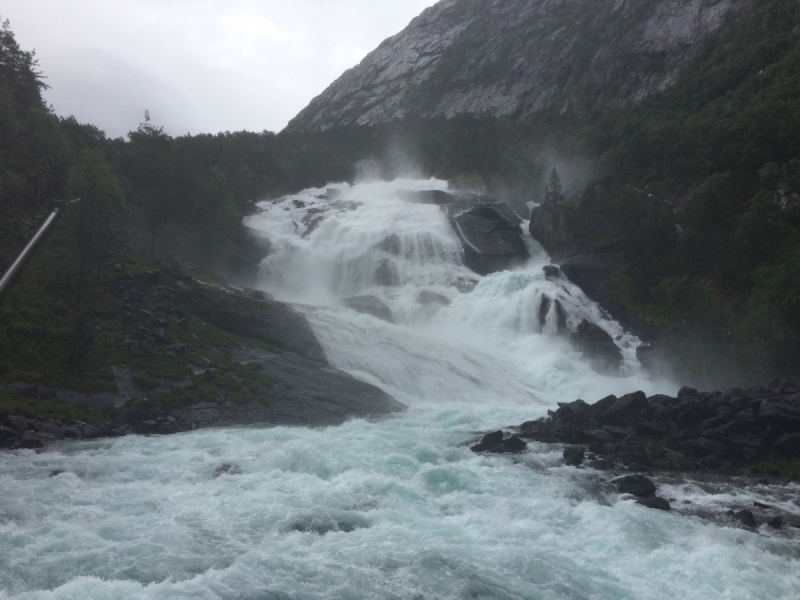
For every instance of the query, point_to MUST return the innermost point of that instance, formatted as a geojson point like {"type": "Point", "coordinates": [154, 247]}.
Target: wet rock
{"type": "Point", "coordinates": [512, 445]}
{"type": "Point", "coordinates": [19, 424]}
{"type": "Point", "coordinates": [550, 271]}
{"type": "Point", "coordinates": [573, 456]}
{"type": "Point", "coordinates": [488, 441]}
{"type": "Point", "coordinates": [746, 518]}
{"type": "Point", "coordinates": [370, 305]}
{"type": "Point", "coordinates": [636, 485]}
{"type": "Point", "coordinates": [56, 472]}
{"type": "Point", "coordinates": [7, 436]}
{"type": "Point", "coordinates": [597, 347]}
{"type": "Point", "coordinates": [655, 502]}
{"type": "Point", "coordinates": [775, 522]}
{"type": "Point", "coordinates": [490, 236]}
{"type": "Point", "coordinates": [31, 441]}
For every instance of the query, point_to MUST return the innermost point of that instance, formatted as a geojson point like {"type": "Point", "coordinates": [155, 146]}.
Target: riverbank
{"type": "Point", "coordinates": [175, 350]}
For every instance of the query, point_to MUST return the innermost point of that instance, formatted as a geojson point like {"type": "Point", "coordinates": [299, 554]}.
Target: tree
{"type": "Point", "coordinates": [149, 165]}
{"type": "Point", "coordinates": [93, 182]}
{"type": "Point", "coordinates": [554, 195]}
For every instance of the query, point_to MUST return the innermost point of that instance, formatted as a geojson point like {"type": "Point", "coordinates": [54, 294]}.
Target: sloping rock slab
{"type": "Point", "coordinates": [490, 235]}
{"type": "Point", "coordinates": [268, 321]}
{"type": "Point", "coordinates": [305, 393]}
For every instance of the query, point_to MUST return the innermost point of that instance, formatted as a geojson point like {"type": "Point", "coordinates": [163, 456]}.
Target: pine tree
{"type": "Point", "coordinates": [554, 195]}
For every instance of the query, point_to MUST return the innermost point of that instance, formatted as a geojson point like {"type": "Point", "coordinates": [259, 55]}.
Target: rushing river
{"type": "Point", "coordinates": [397, 508]}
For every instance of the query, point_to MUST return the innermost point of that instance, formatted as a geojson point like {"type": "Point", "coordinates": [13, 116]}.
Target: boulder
{"type": "Point", "coordinates": [746, 518]}
{"type": "Point", "coordinates": [550, 271]}
{"type": "Point", "coordinates": [7, 436]}
{"type": "Point", "coordinates": [488, 441]}
{"type": "Point", "coordinates": [636, 485]}
{"type": "Point", "coordinates": [490, 235]}
{"type": "Point", "coordinates": [597, 347]}
{"type": "Point", "coordinates": [370, 305]}
{"type": "Point", "coordinates": [495, 444]}
{"type": "Point", "coordinates": [573, 456]}
{"type": "Point", "coordinates": [775, 522]}
{"type": "Point", "coordinates": [655, 502]}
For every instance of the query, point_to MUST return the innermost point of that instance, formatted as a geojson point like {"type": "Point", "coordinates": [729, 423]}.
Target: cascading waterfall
{"type": "Point", "coordinates": [398, 508]}
{"type": "Point", "coordinates": [493, 339]}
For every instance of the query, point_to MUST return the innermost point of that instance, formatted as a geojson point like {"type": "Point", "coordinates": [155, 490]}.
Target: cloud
{"type": "Point", "coordinates": [198, 66]}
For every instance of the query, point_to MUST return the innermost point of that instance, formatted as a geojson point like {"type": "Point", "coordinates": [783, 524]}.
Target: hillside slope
{"type": "Point", "coordinates": [519, 57]}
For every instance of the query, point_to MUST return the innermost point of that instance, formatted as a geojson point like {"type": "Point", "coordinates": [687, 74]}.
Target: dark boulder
{"type": "Point", "coordinates": [775, 522]}
{"type": "Point", "coordinates": [550, 271]}
{"type": "Point", "coordinates": [488, 441]}
{"type": "Point", "coordinates": [513, 444]}
{"type": "Point", "coordinates": [8, 436]}
{"type": "Point", "coordinates": [495, 444]}
{"type": "Point", "coordinates": [746, 518]}
{"type": "Point", "coordinates": [573, 456]}
{"type": "Point", "coordinates": [655, 502]}
{"type": "Point", "coordinates": [629, 403]}
{"type": "Point", "coordinates": [636, 485]}
{"type": "Point", "coordinates": [370, 305]}
{"type": "Point", "coordinates": [597, 347]}
{"type": "Point", "coordinates": [490, 235]}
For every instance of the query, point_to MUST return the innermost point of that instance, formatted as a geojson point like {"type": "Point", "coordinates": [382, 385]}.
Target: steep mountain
{"type": "Point", "coordinates": [519, 57]}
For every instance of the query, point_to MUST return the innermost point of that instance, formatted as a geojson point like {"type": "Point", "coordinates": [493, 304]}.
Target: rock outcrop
{"type": "Point", "coordinates": [489, 231]}
{"type": "Point", "coordinates": [519, 57]}
{"type": "Point", "coordinates": [695, 431]}
{"type": "Point", "coordinates": [597, 347]}
{"type": "Point", "coordinates": [490, 235]}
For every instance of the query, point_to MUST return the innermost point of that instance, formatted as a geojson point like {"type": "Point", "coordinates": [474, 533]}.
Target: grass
{"type": "Point", "coordinates": [787, 469]}
{"type": "Point", "coordinates": [14, 403]}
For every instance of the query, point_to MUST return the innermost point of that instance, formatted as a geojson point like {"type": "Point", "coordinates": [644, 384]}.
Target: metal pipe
{"type": "Point", "coordinates": [12, 270]}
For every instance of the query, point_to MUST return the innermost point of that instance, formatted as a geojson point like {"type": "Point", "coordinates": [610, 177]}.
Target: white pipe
{"type": "Point", "coordinates": [12, 270]}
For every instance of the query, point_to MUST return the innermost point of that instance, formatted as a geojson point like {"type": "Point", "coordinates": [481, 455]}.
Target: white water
{"type": "Point", "coordinates": [406, 509]}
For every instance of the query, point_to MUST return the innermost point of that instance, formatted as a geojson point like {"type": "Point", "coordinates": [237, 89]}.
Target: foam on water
{"type": "Point", "coordinates": [399, 508]}
{"type": "Point", "coordinates": [395, 509]}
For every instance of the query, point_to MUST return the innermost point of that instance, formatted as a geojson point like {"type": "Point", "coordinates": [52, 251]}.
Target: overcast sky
{"type": "Point", "coordinates": [198, 66]}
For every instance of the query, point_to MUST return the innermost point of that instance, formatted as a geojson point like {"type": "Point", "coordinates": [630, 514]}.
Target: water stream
{"type": "Point", "coordinates": [398, 508]}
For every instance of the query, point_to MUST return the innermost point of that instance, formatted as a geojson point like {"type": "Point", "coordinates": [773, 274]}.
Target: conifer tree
{"type": "Point", "coordinates": [554, 195]}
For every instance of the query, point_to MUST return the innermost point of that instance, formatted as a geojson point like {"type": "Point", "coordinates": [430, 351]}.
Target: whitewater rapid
{"type": "Point", "coordinates": [399, 508]}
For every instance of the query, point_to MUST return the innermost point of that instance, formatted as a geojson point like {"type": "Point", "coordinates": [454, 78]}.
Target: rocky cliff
{"type": "Point", "coordinates": [519, 57]}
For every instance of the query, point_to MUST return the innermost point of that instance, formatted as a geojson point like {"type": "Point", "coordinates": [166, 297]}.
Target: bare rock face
{"type": "Point", "coordinates": [518, 57]}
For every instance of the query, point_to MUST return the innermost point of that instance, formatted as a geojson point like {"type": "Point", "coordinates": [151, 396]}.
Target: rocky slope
{"type": "Point", "coordinates": [519, 57]}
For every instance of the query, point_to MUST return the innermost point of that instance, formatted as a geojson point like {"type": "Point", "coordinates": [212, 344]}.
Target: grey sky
{"type": "Point", "coordinates": [198, 65]}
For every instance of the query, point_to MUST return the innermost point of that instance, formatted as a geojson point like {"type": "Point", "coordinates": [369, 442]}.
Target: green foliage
{"type": "Point", "coordinates": [14, 403]}
{"type": "Point", "coordinates": [788, 469]}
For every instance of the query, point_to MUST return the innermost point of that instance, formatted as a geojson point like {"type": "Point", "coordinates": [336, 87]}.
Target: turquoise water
{"type": "Point", "coordinates": [396, 508]}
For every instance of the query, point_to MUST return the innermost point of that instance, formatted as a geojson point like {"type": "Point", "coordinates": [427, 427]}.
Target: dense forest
{"type": "Point", "coordinates": [696, 188]}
